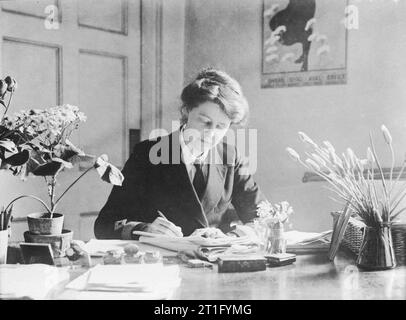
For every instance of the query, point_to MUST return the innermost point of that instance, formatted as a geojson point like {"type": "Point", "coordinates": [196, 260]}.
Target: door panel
{"type": "Point", "coordinates": [103, 101]}
{"type": "Point", "coordinates": [92, 60]}
{"type": "Point", "coordinates": [35, 65]}
{"type": "Point", "coordinates": [104, 15]}
{"type": "Point", "coordinates": [28, 7]}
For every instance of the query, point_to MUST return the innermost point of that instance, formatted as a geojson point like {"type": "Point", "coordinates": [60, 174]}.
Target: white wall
{"type": "Point", "coordinates": [227, 34]}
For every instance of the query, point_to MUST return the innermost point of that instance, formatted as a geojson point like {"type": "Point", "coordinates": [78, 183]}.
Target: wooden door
{"type": "Point", "coordinates": [85, 53]}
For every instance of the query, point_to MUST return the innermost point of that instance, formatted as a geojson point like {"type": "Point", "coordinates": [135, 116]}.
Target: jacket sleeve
{"type": "Point", "coordinates": [125, 206]}
{"type": "Point", "coordinates": [246, 193]}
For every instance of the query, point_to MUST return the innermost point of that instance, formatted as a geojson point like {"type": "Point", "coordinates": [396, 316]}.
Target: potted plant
{"type": "Point", "coordinates": [13, 154]}
{"type": "Point", "coordinates": [352, 179]}
{"type": "Point", "coordinates": [51, 152]}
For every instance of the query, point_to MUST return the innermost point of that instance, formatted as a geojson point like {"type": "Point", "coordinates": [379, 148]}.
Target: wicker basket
{"type": "Point", "coordinates": [354, 233]}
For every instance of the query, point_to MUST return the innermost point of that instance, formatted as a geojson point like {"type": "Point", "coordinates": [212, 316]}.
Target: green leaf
{"type": "Point", "coordinates": [47, 169]}
{"type": "Point", "coordinates": [108, 172]}
{"type": "Point", "coordinates": [18, 159]}
{"type": "Point", "coordinates": [8, 145]}
{"type": "Point", "coordinates": [75, 155]}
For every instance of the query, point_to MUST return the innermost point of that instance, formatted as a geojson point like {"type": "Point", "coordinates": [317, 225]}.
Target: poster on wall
{"type": "Point", "coordinates": [304, 43]}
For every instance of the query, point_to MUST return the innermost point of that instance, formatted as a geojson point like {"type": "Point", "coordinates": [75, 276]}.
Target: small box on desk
{"type": "Point", "coordinates": [280, 259]}
{"type": "Point", "coordinates": [241, 264]}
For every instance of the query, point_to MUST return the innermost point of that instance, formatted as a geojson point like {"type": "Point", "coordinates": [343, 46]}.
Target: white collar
{"type": "Point", "coordinates": [187, 156]}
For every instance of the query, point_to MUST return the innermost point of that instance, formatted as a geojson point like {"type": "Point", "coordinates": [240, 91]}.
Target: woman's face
{"type": "Point", "coordinates": [207, 124]}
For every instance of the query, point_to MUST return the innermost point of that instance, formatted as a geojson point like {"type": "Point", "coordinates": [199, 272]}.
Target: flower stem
{"type": "Point", "coordinates": [52, 194]}
{"type": "Point", "coordinates": [385, 189]}
{"type": "Point", "coordinates": [8, 105]}
{"type": "Point", "coordinates": [32, 197]}
{"type": "Point", "coordinates": [71, 185]}
{"type": "Point", "coordinates": [391, 169]}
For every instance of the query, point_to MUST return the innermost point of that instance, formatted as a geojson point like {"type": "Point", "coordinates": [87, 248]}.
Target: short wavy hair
{"type": "Point", "coordinates": [218, 87]}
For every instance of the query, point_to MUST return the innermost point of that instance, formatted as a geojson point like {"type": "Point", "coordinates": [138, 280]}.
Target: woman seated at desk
{"type": "Point", "coordinates": [191, 175]}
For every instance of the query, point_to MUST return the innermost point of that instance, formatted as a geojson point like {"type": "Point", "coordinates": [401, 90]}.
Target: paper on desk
{"type": "Point", "coordinates": [201, 247]}
{"type": "Point", "coordinates": [171, 242]}
{"type": "Point", "coordinates": [32, 281]}
{"type": "Point", "coordinates": [297, 237]}
{"type": "Point", "coordinates": [307, 242]}
{"type": "Point", "coordinates": [138, 281]}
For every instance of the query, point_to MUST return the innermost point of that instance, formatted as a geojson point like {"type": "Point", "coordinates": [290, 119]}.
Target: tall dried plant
{"type": "Point", "coordinates": [352, 178]}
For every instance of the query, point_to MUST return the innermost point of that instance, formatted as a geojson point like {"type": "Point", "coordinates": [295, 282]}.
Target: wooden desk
{"type": "Point", "coordinates": [310, 277]}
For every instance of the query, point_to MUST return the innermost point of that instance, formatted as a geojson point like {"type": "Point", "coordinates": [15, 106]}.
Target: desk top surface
{"type": "Point", "coordinates": [312, 276]}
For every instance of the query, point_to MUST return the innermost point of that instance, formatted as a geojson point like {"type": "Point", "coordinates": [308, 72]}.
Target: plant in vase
{"type": "Point", "coordinates": [352, 179]}
{"type": "Point", "coordinates": [13, 153]}
{"type": "Point", "coordinates": [14, 148]}
{"type": "Point", "coordinates": [51, 153]}
{"type": "Point", "coordinates": [270, 225]}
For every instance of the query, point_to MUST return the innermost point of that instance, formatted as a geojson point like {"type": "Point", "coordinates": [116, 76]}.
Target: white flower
{"type": "Point", "coordinates": [293, 154]}
{"type": "Point", "coordinates": [386, 135]}
{"type": "Point", "coordinates": [305, 138]}
{"type": "Point", "coordinates": [312, 164]}
{"type": "Point", "coordinates": [329, 146]}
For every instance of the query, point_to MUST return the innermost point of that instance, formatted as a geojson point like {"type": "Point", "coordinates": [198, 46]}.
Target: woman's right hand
{"type": "Point", "coordinates": [163, 226]}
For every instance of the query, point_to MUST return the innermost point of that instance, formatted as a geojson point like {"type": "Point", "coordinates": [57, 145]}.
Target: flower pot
{"type": "Point", "coordinates": [3, 246]}
{"type": "Point", "coordinates": [376, 252]}
{"type": "Point", "coordinates": [59, 242]}
{"type": "Point", "coordinates": [38, 223]}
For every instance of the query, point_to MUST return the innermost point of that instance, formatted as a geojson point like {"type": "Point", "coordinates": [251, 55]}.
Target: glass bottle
{"type": "Point", "coordinates": [276, 239]}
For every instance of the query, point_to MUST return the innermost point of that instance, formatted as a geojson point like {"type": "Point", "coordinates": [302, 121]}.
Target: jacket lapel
{"type": "Point", "coordinates": [177, 178]}
{"type": "Point", "coordinates": [215, 180]}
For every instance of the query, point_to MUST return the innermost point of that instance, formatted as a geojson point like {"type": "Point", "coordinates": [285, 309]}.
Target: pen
{"type": "Point", "coordinates": [162, 215]}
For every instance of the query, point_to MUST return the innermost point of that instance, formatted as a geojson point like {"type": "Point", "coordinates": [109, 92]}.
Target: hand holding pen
{"type": "Point", "coordinates": [162, 225]}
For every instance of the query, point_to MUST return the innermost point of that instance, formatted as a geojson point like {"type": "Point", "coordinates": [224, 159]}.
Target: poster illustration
{"type": "Point", "coordinates": [304, 43]}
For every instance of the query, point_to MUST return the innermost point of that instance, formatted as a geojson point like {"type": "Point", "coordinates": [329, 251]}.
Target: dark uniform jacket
{"type": "Point", "coordinates": [149, 186]}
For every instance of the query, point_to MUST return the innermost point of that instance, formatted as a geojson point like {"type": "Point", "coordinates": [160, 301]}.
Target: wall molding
{"type": "Point", "coordinates": [19, 219]}
{"type": "Point", "coordinates": [89, 214]}
{"type": "Point", "coordinates": [57, 3]}
{"type": "Point", "coordinates": [151, 65]}
{"type": "Point", "coordinates": [58, 55]}
{"type": "Point", "coordinates": [158, 64]}
{"type": "Point", "coordinates": [124, 21]}
{"type": "Point", "coordinates": [312, 177]}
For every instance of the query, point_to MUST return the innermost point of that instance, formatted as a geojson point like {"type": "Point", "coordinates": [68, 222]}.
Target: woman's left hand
{"type": "Point", "coordinates": [212, 233]}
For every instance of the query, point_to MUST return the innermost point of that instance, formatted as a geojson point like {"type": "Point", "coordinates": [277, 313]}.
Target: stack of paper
{"type": "Point", "coordinates": [31, 281]}
{"type": "Point", "coordinates": [213, 253]}
{"type": "Point", "coordinates": [306, 242]}
{"type": "Point", "coordinates": [192, 244]}
{"type": "Point", "coordinates": [138, 281]}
